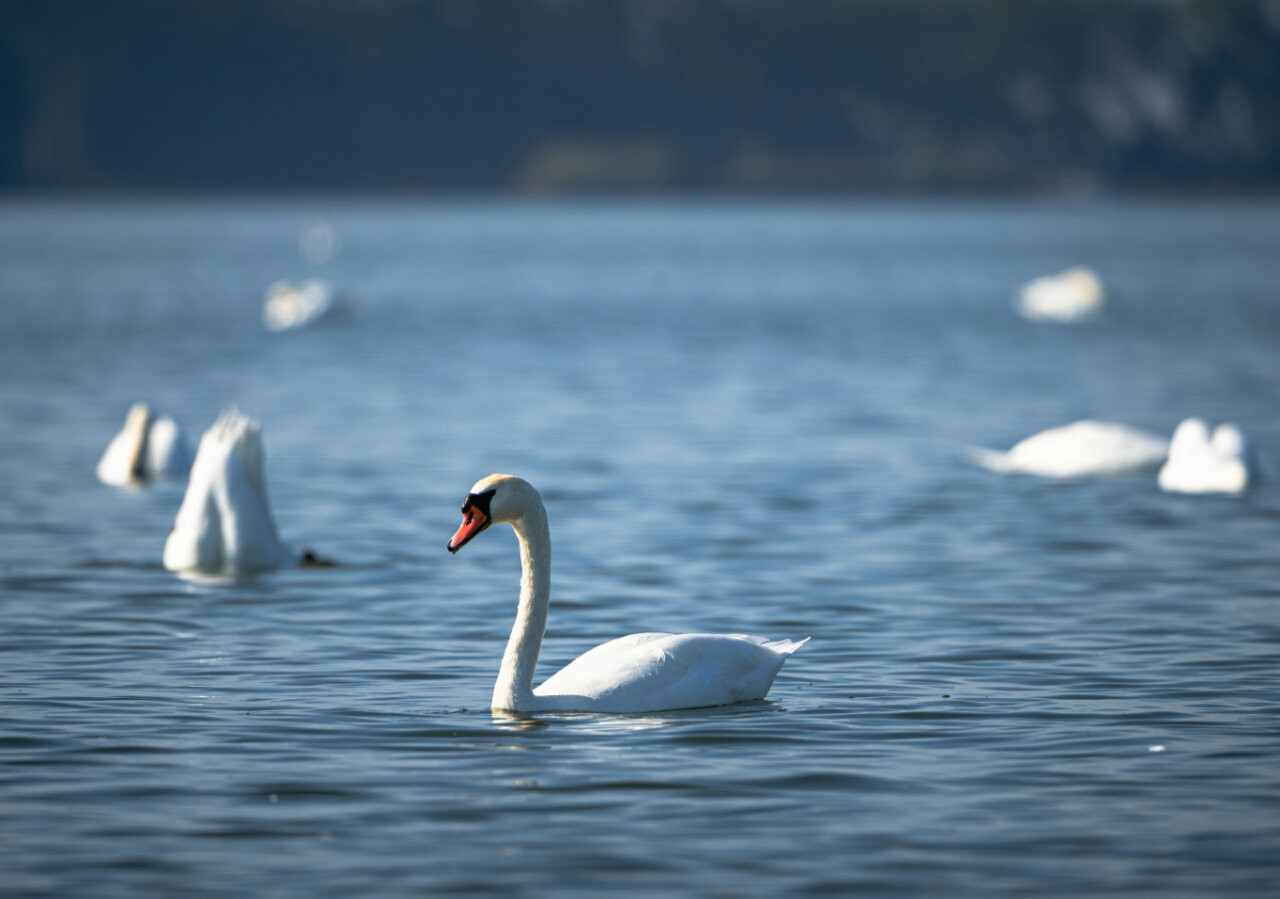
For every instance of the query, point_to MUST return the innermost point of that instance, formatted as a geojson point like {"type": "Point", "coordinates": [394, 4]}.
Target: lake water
{"type": "Point", "coordinates": [743, 417]}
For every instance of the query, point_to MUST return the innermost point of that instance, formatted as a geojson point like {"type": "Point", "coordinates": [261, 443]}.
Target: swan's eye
{"type": "Point", "coordinates": [477, 502]}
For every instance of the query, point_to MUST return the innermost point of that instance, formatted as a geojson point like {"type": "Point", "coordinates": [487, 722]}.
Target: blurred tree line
{"type": "Point", "coordinates": [644, 95]}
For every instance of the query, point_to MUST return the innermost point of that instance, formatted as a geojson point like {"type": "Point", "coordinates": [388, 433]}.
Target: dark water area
{"type": "Point", "coordinates": [743, 418]}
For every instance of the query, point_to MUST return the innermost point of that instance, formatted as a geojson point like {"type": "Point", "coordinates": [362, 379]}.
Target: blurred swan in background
{"type": "Point", "coordinates": [146, 448]}
{"type": "Point", "coordinates": [1199, 463]}
{"type": "Point", "coordinates": [318, 242]}
{"type": "Point", "coordinates": [224, 525]}
{"type": "Point", "coordinates": [1067, 296]}
{"type": "Point", "coordinates": [291, 304]}
{"type": "Point", "coordinates": [640, 673]}
{"type": "Point", "coordinates": [296, 304]}
{"type": "Point", "coordinates": [1080, 449]}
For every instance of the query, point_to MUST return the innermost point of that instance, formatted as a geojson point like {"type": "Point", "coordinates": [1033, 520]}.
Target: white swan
{"type": "Point", "coordinates": [1067, 296]}
{"type": "Point", "coordinates": [1080, 449]}
{"type": "Point", "coordinates": [639, 673]}
{"type": "Point", "coordinates": [292, 305]}
{"type": "Point", "coordinates": [224, 525]}
{"type": "Point", "coordinates": [1199, 463]}
{"type": "Point", "coordinates": [146, 448]}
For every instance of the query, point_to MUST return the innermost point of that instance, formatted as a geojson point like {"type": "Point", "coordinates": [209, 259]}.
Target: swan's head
{"type": "Point", "coordinates": [495, 499]}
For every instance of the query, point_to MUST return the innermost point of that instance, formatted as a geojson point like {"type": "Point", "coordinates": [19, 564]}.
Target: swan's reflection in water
{"type": "Point", "coordinates": [586, 722]}
{"type": "Point", "coordinates": [512, 721]}
{"type": "Point", "coordinates": [595, 723]}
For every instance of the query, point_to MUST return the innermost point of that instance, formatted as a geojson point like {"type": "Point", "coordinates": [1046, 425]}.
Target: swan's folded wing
{"type": "Point", "coordinates": [644, 672]}
{"type": "Point", "coordinates": [1082, 448]}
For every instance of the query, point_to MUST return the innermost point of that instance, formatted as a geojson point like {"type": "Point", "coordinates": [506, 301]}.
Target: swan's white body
{"type": "Point", "coordinates": [292, 305]}
{"type": "Point", "coordinates": [639, 673]}
{"type": "Point", "coordinates": [1199, 463]}
{"type": "Point", "coordinates": [224, 525]}
{"type": "Point", "coordinates": [146, 448]}
{"type": "Point", "coordinates": [1081, 449]}
{"type": "Point", "coordinates": [1067, 296]}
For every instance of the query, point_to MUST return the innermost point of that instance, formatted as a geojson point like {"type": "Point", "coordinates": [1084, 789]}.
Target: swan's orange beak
{"type": "Point", "coordinates": [474, 522]}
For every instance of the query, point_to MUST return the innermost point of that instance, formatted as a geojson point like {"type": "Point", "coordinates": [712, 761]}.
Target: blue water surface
{"type": "Point", "coordinates": [744, 417]}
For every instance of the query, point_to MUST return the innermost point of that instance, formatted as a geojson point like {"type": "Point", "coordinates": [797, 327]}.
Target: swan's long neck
{"type": "Point", "coordinates": [141, 423]}
{"type": "Point", "coordinates": [514, 689]}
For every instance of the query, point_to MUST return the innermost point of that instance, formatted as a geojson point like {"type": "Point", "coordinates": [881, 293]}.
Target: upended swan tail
{"type": "Point", "coordinates": [786, 647]}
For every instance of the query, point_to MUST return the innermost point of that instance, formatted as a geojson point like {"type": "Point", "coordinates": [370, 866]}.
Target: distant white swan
{"type": "Point", "coordinates": [1067, 296]}
{"type": "Point", "coordinates": [1081, 449]}
{"type": "Point", "coordinates": [146, 448]}
{"type": "Point", "coordinates": [290, 304]}
{"type": "Point", "coordinates": [639, 673]}
{"type": "Point", "coordinates": [224, 525]}
{"type": "Point", "coordinates": [318, 242]}
{"type": "Point", "coordinates": [1199, 463]}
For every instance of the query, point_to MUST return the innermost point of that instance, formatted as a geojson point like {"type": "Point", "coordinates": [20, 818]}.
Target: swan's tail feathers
{"type": "Point", "coordinates": [991, 460]}
{"type": "Point", "coordinates": [236, 434]}
{"type": "Point", "coordinates": [233, 426]}
{"type": "Point", "coordinates": [786, 647]}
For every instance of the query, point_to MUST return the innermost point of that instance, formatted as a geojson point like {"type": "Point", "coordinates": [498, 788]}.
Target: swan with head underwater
{"type": "Point", "coordinates": [148, 448]}
{"type": "Point", "coordinates": [1082, 449]}
{"type": "Point", "coordinates": [1202, 463]}
{"type": "Point", "coordinates": [640, 673]}
{"type": "Point", "coordinates": [224, 525]}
